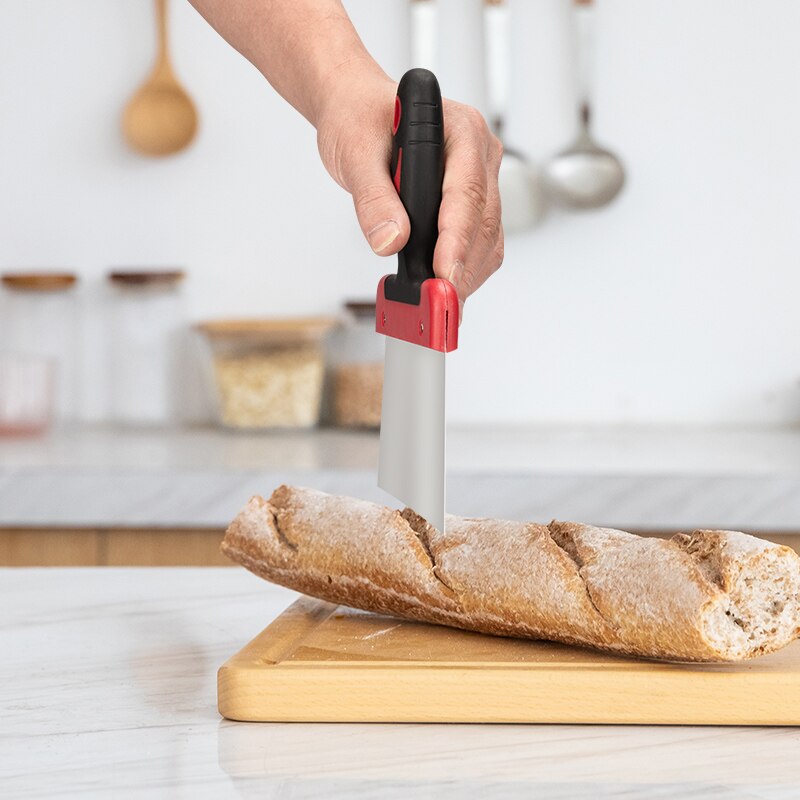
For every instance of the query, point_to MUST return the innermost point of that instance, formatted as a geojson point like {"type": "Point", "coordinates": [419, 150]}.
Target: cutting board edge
{"type": "Point", "coordinates": [338, 692]}
{"type": "Point", "coordinates": [257, 685]}
{"type": "Point", "coordinates": [277, 693]}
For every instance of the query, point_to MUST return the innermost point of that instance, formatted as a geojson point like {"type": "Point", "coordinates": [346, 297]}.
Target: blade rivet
{"type": "Point", "coordinates": [421, 328]}
{"type": "Point", "coordinates": [383, 319]}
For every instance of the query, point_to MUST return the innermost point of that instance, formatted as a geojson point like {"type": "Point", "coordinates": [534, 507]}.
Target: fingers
{"type": "Point", "coordinates": [380, 212]}
{"type": "Point", "coordinates": [355, 145]}
{"type": "Point", "coordinates": [486, 253]}
{"type": "Point", "coordinates": [470, 245]}
{"type": "Point", "coordinates": [464, 189]}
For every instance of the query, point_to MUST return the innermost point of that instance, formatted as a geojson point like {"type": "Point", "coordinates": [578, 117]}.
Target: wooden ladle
{"type": "Point", "coordinates": [160, 118]}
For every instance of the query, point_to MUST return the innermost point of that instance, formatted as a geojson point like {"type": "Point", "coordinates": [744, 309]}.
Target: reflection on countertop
{"type": "Point", "coordinates": [532, 449]}
{"type": "Point", "coordinates": [643, 478]}
{"type": "Point", "coordinates": [113, 693]}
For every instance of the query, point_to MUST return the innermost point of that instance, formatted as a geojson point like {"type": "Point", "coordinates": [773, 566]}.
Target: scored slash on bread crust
{"type": "Point", "coordinates": [708, 596]}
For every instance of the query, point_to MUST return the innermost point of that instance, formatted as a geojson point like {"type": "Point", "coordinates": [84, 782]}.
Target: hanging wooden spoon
{"type": "Point", "coordinates": [160, 118]}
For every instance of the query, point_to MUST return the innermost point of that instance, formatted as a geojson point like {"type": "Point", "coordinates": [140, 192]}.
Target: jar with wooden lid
{"type": "Point", "coordinates": [39, 338]}
{"type": "Point", "coordinates": [267, 373]}
{"type": "Point", "coordinates": [146, 328]}
{"type": "Point", "coordinates": [356, 357]}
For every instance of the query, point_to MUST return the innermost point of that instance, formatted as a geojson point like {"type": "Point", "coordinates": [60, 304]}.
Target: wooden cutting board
{"type": "Point", "coordinates": [319, 662]}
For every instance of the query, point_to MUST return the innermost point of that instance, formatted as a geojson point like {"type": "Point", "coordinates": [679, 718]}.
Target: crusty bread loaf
{"type": "Point", "coordinates": [708, 596]}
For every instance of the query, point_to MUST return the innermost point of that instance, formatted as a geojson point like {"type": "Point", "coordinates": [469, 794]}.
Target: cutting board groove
{"type": "Point", "coordinates": [318, 662]}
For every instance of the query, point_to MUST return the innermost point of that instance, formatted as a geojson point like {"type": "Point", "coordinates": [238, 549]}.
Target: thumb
{"type": "Point", "coordinates": [380, 212]}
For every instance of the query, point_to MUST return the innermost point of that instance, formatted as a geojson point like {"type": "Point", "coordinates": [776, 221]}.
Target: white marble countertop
{"type": "Point", "coordinates": [109, 691]}
{"type": "Point", "coordinates": [652, 478]}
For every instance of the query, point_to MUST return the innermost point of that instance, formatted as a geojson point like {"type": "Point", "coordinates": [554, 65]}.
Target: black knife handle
{"type": "Point", "coordinates": [417, 169]}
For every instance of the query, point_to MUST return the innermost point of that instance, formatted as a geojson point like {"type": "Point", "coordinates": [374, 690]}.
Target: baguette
{"type": "Point", "coordinates": [708, 596]}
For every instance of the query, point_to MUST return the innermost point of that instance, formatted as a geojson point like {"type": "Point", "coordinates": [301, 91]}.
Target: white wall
{"type": "Point", "coordinates": [678, 303]}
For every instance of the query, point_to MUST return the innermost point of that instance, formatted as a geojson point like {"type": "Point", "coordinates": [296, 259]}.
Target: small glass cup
{"type": "Point", "coordinates": [39, 318]}
{"type": "Point", "coordinates": [27, 393]}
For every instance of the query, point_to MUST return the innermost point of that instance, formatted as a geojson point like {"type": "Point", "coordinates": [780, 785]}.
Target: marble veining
{"type": "Point", "coordinates": [656, 478]}
{"type": "Point", "coordinates": [109, 691]}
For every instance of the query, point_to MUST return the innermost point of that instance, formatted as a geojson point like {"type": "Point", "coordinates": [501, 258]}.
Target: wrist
{"type": "Point", "coordinates": [352, 87]}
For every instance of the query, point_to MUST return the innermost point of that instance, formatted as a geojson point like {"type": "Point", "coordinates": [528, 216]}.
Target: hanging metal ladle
{"type": "Point", "coordinates": [585, 175]}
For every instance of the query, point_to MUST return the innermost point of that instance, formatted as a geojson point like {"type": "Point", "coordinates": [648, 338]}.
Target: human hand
{"type": "Point", "coordinates": [355, 141]}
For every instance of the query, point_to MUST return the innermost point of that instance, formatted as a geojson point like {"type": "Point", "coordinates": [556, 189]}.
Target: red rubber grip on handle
{"type": "Point", "coordinates": [414, 305]}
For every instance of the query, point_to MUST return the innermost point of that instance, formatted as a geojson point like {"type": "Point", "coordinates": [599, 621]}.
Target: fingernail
{"type": "Point", "coordinates": [381, 236]}
{"type": "Point", "coordinates": [456, 271]}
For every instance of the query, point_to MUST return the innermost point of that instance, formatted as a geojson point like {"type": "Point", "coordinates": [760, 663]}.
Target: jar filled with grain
{"type": "Point", "coordinates": [267, 373]}
{"type": "Point", "coordinates": [356, 356]}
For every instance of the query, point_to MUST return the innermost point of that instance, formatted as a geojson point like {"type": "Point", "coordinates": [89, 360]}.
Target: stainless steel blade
{"type": "Point", "coordinates": [411, 463]}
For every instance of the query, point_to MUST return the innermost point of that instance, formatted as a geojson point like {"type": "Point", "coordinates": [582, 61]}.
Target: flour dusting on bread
{"type": "Point", "coordinates": [706, 596]}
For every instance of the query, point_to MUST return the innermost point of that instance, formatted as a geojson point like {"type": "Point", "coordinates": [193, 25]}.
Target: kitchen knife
{"type": "Point", "coordinates": [417, 312]}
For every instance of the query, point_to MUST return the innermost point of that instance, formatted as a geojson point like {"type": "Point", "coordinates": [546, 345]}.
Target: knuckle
{"type": "Point", "coordinates": [474, 117]}
{"type": "Point", "coordinates": [491, 227]}
{"type": "Point", "coordinates": [470, 124]}
{"type": "Point", "coordinates": [369, 197]}
{"type": "Point", "coordinates": [499, 254]}
{"type": "Point", "coordinates": [467, 282]}
{"type": "Point", "coordinates": [497, 148]}
{"type": "Point", "coordinates": [474, 192]}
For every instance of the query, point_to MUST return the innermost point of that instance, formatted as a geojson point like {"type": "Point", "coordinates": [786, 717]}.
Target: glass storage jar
{"type": "Point", "coordinates": [26, 394]}
{"type": "Point", "coordinates": [39, 335]}
{"type": "Point", "coordinates": [356, 356]}
{"type": "Point", "coordinates": [267, 373]}
{"type": "Point", "coordinates": [146, 324]}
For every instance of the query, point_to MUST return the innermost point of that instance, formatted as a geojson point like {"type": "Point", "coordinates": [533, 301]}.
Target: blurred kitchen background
{"type": "Point", "coordinates": [634, 364]}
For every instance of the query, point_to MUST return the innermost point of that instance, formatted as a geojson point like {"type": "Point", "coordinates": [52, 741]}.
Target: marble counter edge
{"type": "Point", "coordinates": [209, 498]}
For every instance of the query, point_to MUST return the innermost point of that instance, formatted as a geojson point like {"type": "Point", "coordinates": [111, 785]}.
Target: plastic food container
{"type": "Point", "coordinates": [356, 354]}
{"type": "Point", "coordinates": [268, 373]}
